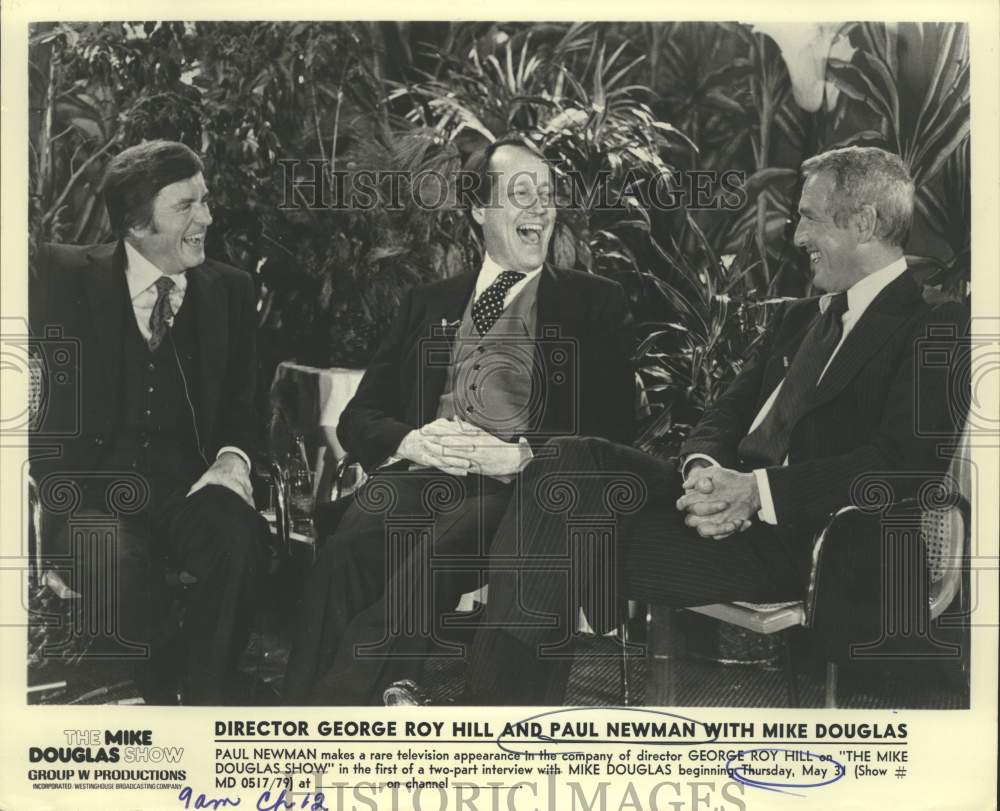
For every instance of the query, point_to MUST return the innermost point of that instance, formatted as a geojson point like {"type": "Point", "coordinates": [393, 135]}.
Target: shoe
{"type": "Point", "coordinates": [405, 693]}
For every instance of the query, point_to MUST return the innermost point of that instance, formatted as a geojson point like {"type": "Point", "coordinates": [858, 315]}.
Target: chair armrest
{"type": "Point", "coordinates": [897, 510]}
{"type": "Point", "coordinates": [327, 515]}
{"type": "Point", "coordinates": [270, 475]}
{"type": "Point", "coordinates": [856, 576]}
{"type": "Point", "coordinates": [34, 532]}
{"type": "Point", "coordinates": [818, 545]}
{"type": "Point", "coordinates": [344, 485]}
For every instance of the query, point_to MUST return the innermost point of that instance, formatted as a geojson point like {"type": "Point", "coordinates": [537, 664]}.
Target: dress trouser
{"type": "Point", "coordinates": [595, 522]}
{"type": "Point", "coordinates": [386, 582]}
{"type": "Point", "coordinates": [118, 560]}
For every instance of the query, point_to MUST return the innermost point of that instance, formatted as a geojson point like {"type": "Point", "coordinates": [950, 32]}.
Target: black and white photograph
{"type": "Point", "coordinates": [549, 383]}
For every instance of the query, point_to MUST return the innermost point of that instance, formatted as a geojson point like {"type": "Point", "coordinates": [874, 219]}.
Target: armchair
{"type": "Point", "coordinates": [885, 607]}
{"type": "Point", "coordinates": [49, 598]}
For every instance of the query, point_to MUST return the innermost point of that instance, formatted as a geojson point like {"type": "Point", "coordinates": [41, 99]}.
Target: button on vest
{"type": "Point", "coordinates": [490, 379]}
{"type": "Point", "coordinates": [157, 435]}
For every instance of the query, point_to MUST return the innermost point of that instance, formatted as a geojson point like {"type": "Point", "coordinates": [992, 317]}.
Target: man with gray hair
{"type": "Point", "coordinates": [828, 397]}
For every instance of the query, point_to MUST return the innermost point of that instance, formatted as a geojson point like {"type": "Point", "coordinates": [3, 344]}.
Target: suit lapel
{"type": "Point", "coordinates": [557, 314]}
{"type": "Point", "coordinates": [555, 307]}
{"type": "Point", "coordinates": [450, 300]}
{"type": "Point", "coordinates": [881, 319]}
{"type": "Point", "coordinates": [211, 315]}
{"type": "Point", "coordinates": [105, 286]}
{"type": "Point", "coordinates": [446, 306]}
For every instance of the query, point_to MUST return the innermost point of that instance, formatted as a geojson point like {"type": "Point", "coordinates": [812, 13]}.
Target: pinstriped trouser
{"type": "Point", "coordinates": [565, 517]}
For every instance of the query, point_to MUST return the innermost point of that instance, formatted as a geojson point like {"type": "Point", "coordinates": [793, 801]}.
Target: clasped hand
{"type": "Point", "coordinates": [719, 501]}
{"type": "Point", "coordinates": [459, 448]}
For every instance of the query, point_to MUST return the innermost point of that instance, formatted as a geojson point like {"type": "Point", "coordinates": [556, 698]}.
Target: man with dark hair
{"type": "Point", "coordinates": [477, 373]}
{"type": "Point", "coordinates": [163, 409]}
{"type": "Point", "coordinates": [487, 189]}
{"type": "Point", "coordinates": [829, 397]}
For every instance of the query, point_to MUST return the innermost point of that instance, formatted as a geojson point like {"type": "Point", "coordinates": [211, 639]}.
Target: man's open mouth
{"type": "Point", "coordinates": [530, 233]}
{"type": "Point", "coordinates": [197, 241]}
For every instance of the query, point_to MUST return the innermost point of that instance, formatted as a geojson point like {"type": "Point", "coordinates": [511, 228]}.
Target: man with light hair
{"type": "Point", "coordinates": [828, 397]}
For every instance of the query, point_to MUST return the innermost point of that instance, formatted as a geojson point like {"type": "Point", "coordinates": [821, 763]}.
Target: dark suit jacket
{"type": "Point", "coordinates": [586, 316]}
{"type": "Point", "coordinates": [82, 292]}
{"type": "Point", "coordinates": [876, 409]}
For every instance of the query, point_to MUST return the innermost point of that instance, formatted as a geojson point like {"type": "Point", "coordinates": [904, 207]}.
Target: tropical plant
{"type": "Point", "coordinates": [602, 138]}
{"type": "Point", "coordinates": [913, 79]}
{"type": "Point", "coordinates": [730, 87]}
{"type": "Point", "coordinates": [248, 96]}
{"type": "Point", "coordinates": [766, 92]}
{"type": "Point", "coordinates": [694, 69]}
{"type": "Point", "coordinates": [626, 106]}
{"type": "Point", "coordinates": [946, 206]}
{"type": "Point", "coordinates": [579, 95]}
{"type": "Point", "coordinates": [921, 116]}
{"type": "Point", "coordinates": [719, 317]}
{"type": "Point", "coordinates": [95, 88]}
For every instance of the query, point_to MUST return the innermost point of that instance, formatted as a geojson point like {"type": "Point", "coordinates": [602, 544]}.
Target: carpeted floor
{"type": "Point", "coordinates": [696, 677]}
{"type": "Point", "coordinates": [595, 681]}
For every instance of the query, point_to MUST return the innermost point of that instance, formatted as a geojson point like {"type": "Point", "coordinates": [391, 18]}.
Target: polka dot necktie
{"type": "Point", "coordinates": [767, 444]}
{"type": "Point", "coordinates": [489, 305]}
{"type": "Point", "coordinates": [163, 313]}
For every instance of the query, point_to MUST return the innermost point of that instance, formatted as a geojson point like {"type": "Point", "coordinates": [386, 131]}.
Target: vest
{"type": "Point", "coordinates": [489, 382]}
{"type": "Point", "coordinates": [156, 435]}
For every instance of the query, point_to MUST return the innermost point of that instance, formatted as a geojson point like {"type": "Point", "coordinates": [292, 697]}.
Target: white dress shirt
{"type": "Point", "coordinates": [141, 276]}
{"type": "Point", "coordinates": [858, 298]}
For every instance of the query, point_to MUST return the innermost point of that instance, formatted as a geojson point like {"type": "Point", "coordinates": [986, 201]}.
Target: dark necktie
{"type": "Point", "coordinates": [163, 314]}
{"type": "Point", "coordinates": [767, 444]}
{"type": "Point", "coordinates": [489, 305]}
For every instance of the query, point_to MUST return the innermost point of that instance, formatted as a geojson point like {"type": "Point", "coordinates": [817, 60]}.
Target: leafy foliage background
{"type": "Point", "coordinates": [637, 103]}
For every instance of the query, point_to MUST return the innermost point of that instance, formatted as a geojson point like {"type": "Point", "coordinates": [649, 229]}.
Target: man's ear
{"type": "Point", "coordinates": [478, 214]}
{"type": "Point", "coordinates": [865, 220]}
{"type": "Point", "coordinates": [135, 232]}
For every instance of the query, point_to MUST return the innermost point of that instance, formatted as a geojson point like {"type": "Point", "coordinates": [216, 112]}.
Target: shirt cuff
{"type": "Point", "coordinates": [238, 452]}
{"type": "Point", "coordinates": [526, 453]}
{"type": "Point", "coordinates": [690, 458]}
{"type": "Point", "coordinates": [766, 512]}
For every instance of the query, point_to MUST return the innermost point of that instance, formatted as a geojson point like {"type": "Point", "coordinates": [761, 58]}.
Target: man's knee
{"type": "Point", "coordinates": [570, 443]}
{"type": "Point", "coordinates": [568, 449]}
{"type": "Point", "coordinates": [219, 527]}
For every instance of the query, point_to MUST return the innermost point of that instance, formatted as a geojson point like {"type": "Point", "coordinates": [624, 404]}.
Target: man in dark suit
{"type": "Point", "coordinates": [477, 373]}
{"type": "Point", "coordinates": [163, 425]}
{"type": "Point", "coordinates": [830, 396]}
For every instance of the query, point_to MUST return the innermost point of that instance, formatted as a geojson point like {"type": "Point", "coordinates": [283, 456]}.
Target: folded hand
{"type": "Point", "coordinates": [719, 501]}
{"type": "Point", "coordinates": [424, 446]}
{"type": "Point", "coordinates": [486, 454]}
